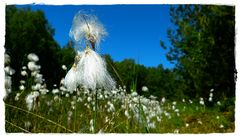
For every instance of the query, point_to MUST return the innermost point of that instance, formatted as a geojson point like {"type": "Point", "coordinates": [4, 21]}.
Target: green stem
{"type": "Point", "coordinates": [126, 104]}
{"type": "Point", "coordinates": [95, 113]}
{"type": "Point", "coordinates": [143, 116]}
{"type": "Point", "coordinates": [116, 73]}
{"type": "Point", "coordinates": [75, 114]}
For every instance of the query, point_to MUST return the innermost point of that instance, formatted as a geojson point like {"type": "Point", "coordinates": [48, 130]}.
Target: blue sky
{"type": "Point", "coordinates": [134, 31]}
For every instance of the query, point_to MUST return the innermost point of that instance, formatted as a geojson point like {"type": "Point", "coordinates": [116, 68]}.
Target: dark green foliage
{"type": "Point", "coordinates": [160, 82]}
{"type": "Point", "coordinates": [29, 32]}
{"type": "Point", "coordinates": [67, 55]}
{"type": "Point", "coordinates": [203, 46]}
{"type": "Point", "coordinates": [126, 69]}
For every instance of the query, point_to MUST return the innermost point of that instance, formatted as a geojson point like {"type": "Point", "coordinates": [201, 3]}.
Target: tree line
{"type": "Point", "coordinates": [202, 45]}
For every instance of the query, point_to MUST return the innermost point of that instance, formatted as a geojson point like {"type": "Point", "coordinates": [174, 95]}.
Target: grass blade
{"type": "Point", "coordinates": [17, 126]}
{"type": "Point", "coordinates": [50, 121]}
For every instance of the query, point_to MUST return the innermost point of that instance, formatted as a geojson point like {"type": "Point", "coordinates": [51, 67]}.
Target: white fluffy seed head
{"type": "Point", "coordinates": [8, 70]}
{"type": "Point", "coordinates": [219, 103]}
{"type": "Point", "coordinates": [7, 59]}
{"type": "Point", "coordinates": [174, 103]}
{"type": "Point", "coordinates": [134, 94]}
{"type": "Point", "coordinates": [64, 67]}
{"type": "Point", "coordinates": [145, 89]}
{"type": "Point", "coordinates": [151, 125]}
{"type": "Point", "coordinates": [33, 57]}
{"type": "Point", "coordinates": [30, 98]}
{"type": "Point", "coordinates": [55, 91]}
{"type": "Point", "coordinates": [201, 101]}
{"type": "Point", "coordinates": [85, 28]}
{"type": "Point", "coordinates": [63, 88]}
{"type": "Point", "coordinates": [8, 84]}
{"type": "Point", "coordinates": [211, 95]}
{"type": "Point", "coordinates": [22, 81]}
{"type": "Point", "coordinates": [21, 87]}
{"type": "Point", "coordinates": [36, 87]}
{"type": "Point", "coordinates": [89, 99]}
{"type": "Point", "coordinates": [92, 72]}
{"type": "Point", "coordinates": [32, 66]}
{"type": "Point", "coordinates": [17, 97]}
{"type": "Point", "coordinates": [24, 67]}
{"type": "Point", "coordinates": [126, 114]}
{"type": "Point", "coordinates": [70, 80]}
{"type": "Point", "coordinates": [23, 73]}
{"type": "Point", "coordinates": [163, 100]}
{"type": "Point", "coordinates": [190, 101]}
{"type": "Point", "coordinates": [153, 97]}
{"type": "Point", "coordinates": [67, 95]}
{"type": "Point", "coordinates": [62, 81]}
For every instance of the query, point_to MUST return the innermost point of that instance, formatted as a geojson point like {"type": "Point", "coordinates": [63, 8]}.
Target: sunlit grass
{"type": "Point", "coordinates": [61, 117]}
{"type": "Point", "coordinates": [36, 109]}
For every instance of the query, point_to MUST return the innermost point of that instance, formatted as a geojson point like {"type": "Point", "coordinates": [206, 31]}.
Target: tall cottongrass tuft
{"type": "Point", "coordinates": [86, 28]}
{"type": "Point", "coordinates": [8, 75]}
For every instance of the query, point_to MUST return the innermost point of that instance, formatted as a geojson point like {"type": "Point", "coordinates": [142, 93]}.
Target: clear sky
{"type": "Point", "coordinates": [134, 31]}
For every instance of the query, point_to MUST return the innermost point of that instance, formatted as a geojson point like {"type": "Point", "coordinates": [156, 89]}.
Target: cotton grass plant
{"type": "Point", "coordinates": [8, 73]}
{"type": "Point", "coordinates": [118, 111]}
{"type": "Point", "coordinates": [89, 101]}
{"type": "Point", "coordinates": [89, 69]}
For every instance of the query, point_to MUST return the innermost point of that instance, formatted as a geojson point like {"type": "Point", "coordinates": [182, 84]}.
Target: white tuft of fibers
{"type": "Point", "coordinates": [32, 57]}
{"type": "Point", "coordinates": [7, 59]}
{"type": "Point", "coordinates": [31, 100]}
{"type": "Point", "coordinates": [145, 89]}
{"type": "Point", "coordinates": [70, 79]}
{"type": "Point", "coordinates": [93, 72]}
{"type": "Point", "coordinates": [85, 28]}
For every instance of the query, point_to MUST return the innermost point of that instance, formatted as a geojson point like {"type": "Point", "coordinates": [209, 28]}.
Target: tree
{"type": "Point", "coordinates": [29, 32]}
{"type": "Point", "coordinates": [126, 70]}
{"type": "Point", "coordinates": [203, 45]}
{"type": "Point", "coordinates": [67, 55]}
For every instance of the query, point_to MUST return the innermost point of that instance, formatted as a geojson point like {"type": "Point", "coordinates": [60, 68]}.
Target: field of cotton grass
{"type": "Point", "coordinates": [88, 100]}
{"type": "Point", "coordinates": [36, 109]}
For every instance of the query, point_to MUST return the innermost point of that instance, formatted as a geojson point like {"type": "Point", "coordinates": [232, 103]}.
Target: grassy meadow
{"type": "Point", "coordinates": [33, 108]}
{"type": "Point", "coordinates": [196, 96]}
{"type": "Point", "coordinates": [117, 113]}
